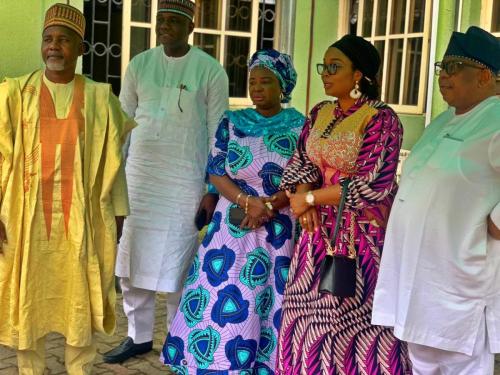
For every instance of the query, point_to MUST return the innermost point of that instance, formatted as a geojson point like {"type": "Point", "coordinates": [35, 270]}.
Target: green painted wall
{"type": "Point", "coordinates": [471, 14]}
{"type": "Point", "coordinates": [413, 126]}
{"type": "Point", "coordinates": [446, 26]}
{"type": "Point", "coordinates": [324, 34]}
{"type": "Point", "coordinates": [21, 24]}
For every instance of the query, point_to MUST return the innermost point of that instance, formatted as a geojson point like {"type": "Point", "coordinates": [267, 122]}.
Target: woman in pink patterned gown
{"type": "Point", "coordinates": [321, 333]}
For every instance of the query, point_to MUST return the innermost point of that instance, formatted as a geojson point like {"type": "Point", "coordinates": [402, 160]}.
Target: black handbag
{"type": "Point", "coordinates": [338, 273]}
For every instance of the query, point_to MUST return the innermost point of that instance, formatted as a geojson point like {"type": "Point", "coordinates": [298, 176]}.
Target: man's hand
{"type": "Point", "coordinates": [119, 227]}
{"type": "Point", "coordinates": [206, 210]}
{"type": "Point", "coordinates": [3, 237]}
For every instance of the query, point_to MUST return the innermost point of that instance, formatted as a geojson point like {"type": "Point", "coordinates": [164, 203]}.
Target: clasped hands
{"type": "Point", "coordinates": [307, 215]}
{"type": "Point", "coordinates": [258, 212]}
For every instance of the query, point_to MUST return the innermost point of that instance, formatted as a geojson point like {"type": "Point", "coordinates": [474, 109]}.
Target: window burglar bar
{"type": "Point", "coordinates": [102, 55]}
{"type": "Point", "coordinates": [267, 18]}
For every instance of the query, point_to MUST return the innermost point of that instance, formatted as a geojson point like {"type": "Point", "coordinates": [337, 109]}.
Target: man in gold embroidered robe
{"type": "Point", "coordinates": [62, 194]}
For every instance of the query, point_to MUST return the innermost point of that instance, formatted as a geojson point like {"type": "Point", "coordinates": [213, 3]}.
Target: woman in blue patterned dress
{"type": "Point", "coordinates": [229, 316]}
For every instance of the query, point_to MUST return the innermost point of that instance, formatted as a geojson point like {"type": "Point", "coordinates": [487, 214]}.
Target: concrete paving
{"type": "Point", "coordinates": [147, 364]}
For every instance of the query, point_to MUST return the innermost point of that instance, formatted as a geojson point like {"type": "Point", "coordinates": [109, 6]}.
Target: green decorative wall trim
{"type": "Point", "coordinates": [324, 34]}
{"type": "Point", "coordinates": [300, 53]}
{"type": "Point", "coordinates": [471, 14]}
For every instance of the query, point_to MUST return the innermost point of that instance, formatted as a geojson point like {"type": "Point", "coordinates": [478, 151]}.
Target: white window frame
{"type": "Point", "coordinates": [127, 27]}
{"type": "Point", "coordinates": [344, 13]}
{"type": "Point", "coordinates": [222, 33]}
{"type": "Point", "coordinates": [487, 16]}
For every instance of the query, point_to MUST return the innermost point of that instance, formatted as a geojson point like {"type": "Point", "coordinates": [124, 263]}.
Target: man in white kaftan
{"type": "Point", "coordinates": [439, 280]}
{"type": "Point", "coordinates": [177, 94]}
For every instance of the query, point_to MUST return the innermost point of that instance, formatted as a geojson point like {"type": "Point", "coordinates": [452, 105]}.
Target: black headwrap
{"type": "Point", "coordinates": [362, 53]}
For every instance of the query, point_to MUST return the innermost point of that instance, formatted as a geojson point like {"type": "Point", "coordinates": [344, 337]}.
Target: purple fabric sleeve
{"type": "Point", "coordinates": [377, 161]}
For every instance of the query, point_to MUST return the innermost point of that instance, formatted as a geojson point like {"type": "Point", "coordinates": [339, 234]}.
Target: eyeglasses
{"type": "Point", "coordinates": [453, 67]}
{"type": "Point", "coordinates": [330, 68]}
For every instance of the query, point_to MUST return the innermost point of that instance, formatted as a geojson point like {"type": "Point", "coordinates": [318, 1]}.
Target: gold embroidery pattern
{"type": "Point", "coordinates": [341, 147]}
{"type": "Point", "coordinates": [29, 89]}
{"type": "Point", "coordinates": [340, 151]}
{"type": "Point", "coordinates": [30, 160]}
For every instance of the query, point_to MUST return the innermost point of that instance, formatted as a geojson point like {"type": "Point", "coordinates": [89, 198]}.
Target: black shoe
{"type": "Point", "coordinates": [126, 350]}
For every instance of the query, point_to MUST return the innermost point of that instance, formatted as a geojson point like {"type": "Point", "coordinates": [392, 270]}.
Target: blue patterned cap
{"type": "Point", "coordinates": [281, 65]}
{"type": "Point", "coordinates": [476, 45]}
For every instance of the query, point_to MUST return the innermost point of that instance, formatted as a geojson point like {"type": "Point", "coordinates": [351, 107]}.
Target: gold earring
{"type": "Point", "coordinates": [355, 93]}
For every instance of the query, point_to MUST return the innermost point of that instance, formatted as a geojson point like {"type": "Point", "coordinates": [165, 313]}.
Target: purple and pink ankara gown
{"type": "Point", "coordinates": [321, 333]}
{"type": "Point", "coordinates": [230, 311]}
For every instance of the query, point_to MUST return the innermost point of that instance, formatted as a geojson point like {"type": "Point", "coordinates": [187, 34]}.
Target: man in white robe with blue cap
{"type": "Point", "coordinates": [439, 280]}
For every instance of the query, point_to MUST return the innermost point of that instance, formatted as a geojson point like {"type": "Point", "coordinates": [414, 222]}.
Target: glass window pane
{"type": "Point", "coordinates": [237, 51]}
{"type": "Point", "coordinates": [417, 15]}
{"type": "Point", "coordinates": [412, 71]}
{"type": "Point", "coordinates": [353, 17]}
{"type": "Point", "coordinates": [207, 14]}
{"type": "Point", "coordinates": [398, 17]}
{"type": "Point", "coordinates": [139, 40]}
{"type": "Point", "coordinates": [380, 46]}
{"type": "Point", "coordinates": [367, 18]}
{"type": "Point", "coordinates": [239, 15]}
{"type": "Point", "coordinates": [141, 10]}
{"type": "Point", "coordinates": [393, 79]}
{"type": "Point", "coordinates": [267, 18]}
{"type": "Point", "coordinates": [495, 18]}
{"type": "Point", "coordinates": [208, 43]}
{"type": "Point", "coordinates": [101, 11]}
{"type": "Point", "coordinates": [381, 17]}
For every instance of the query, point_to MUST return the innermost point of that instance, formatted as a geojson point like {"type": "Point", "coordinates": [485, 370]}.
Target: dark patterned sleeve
{"type": "Point", "coordinates": [377, 161]}
{"type": "Point", "coordinates": [300, 169]}
{"type": "Point", "coordinates": [217, 157]}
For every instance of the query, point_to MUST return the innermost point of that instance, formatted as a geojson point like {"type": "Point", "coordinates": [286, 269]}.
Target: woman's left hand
{"type": "Point", "coordinates": [298, 203]}
{"type": "Point", "coordinates": [309, 220]}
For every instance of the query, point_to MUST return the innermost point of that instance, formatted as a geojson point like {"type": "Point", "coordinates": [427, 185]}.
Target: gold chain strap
{"type": "Point", "coordinates": [352, 249]}
{"type": "Point", "coordinates": [352, 240]}
{"type": "Point", "coordinates": [326, 239]}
